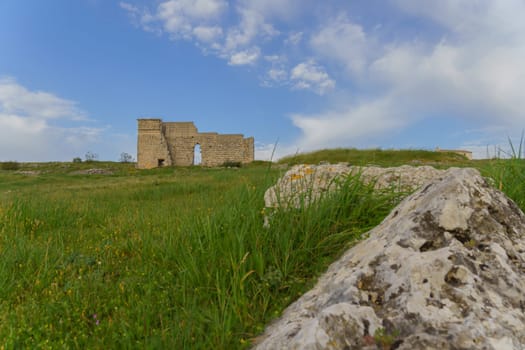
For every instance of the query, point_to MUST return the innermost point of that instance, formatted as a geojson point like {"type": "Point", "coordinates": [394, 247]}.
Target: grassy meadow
{"type": "Point", "coordinates": [175, 258]}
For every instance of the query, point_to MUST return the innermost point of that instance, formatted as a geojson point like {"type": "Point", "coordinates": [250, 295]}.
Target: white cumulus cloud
{"type": "Point", "coordinates": [464, 61]}
{"type": "Point", "coordinates": [16, 99]}
{"type": "Point", "coordinates": [30, 125]}
{"type": "Point", "coordinates": [244, 57]}
{"type": "Point", "coordinates": [181, 19]}
{"type": "Point", "coordinates": [201, 21]}
{"type": "Point", "coordinates": [344, 42]}
{"type": "Point", "coordinates": [207, 34]}
{"type": "Point", "coordinates": [294, 38]}
{"type": "Point", "coordinates": [311, 76]}
{"type": "Point", "coordinates": [349, 124]}
{"type": "Point", "coordinates": [277, 74]}
{"type": "Point", "coordinates": [472, 72]}
{"type": "Point", "coordinates": [252, 25]}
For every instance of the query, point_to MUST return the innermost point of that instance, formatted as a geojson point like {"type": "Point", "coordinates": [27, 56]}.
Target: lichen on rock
{"type": "Point", "coordinates": [445, 270]}
{"type": "Point", "coordinates": [304, 183]}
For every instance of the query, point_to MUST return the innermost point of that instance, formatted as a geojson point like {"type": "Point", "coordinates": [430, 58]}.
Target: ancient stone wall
{"type": "Point", "coordinates": [152, 146]}
{"type": "Point", "coordinates": [249, 149]}
{"type": "Point", "coordinates": [173, 143]}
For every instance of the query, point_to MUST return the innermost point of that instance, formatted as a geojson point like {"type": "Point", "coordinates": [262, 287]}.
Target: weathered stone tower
{"type": "Point", "coordinates": [173, 143]}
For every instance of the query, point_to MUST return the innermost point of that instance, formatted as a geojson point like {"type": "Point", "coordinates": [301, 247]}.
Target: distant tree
{"type": "Point", "coordinates": [91, 157]}
{"type": "Point", "coordinates": [125, 158]}
{"type": "Point", "coordinates": [77, 160]}
{"type": "Point", "coordinates": [11, 165]}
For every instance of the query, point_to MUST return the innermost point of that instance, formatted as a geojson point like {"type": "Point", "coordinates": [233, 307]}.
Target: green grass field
{"type": "Point", "coordinates": [175, 258]}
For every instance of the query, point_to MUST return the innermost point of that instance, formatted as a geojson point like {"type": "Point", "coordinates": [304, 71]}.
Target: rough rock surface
{"type": "Point", "coordinates": [305, 183]}
{"type": "Point", "coordinates": [28, 172]}
{"type": "Point", "coordinates": [445, 270]}
{"type": "Point", "coordinates": [93, 171]}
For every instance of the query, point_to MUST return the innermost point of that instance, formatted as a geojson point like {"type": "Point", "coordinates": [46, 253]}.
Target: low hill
{"type": "Point", "coordinates": [389, 157]}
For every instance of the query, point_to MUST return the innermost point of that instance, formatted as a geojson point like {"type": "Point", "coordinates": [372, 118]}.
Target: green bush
{"type": "Point", "coordinates": [91, 157]}
{"type": "Point", "coordinates": [125, 158]}
{"type": "Point", "coordinates": [11, 165]}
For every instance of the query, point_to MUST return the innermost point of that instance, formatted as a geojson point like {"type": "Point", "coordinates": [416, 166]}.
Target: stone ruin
{"type": "Point", "coordinates": [173, 143]}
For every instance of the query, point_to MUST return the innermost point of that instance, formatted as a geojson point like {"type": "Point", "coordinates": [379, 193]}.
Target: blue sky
{"type": "Point", "coordinates": [76, 74]}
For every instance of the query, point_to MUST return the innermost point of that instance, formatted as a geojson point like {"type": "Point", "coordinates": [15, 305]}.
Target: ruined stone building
{"type": "Point", "coordinates": [173, 143]}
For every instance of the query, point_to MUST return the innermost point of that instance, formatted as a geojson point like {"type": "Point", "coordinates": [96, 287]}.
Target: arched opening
{"type": "Point", "coordinates": [197, 157]}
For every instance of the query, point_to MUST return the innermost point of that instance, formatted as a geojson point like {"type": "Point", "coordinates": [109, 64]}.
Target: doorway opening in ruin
{"type": "Point", "coordinates": [160, 163]}
{"type": "Point", "coordinates": [197, 156]}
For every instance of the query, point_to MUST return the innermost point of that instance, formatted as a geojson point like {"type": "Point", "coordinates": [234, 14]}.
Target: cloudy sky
{"type": "Point", "coordinates": [305, 74]}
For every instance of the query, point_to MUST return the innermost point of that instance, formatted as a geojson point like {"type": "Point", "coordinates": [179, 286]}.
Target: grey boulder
{"type": "Point", "coordinates": [445, 270]}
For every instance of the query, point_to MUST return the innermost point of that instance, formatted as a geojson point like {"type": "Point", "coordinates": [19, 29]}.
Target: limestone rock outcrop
{"type": "Point", "coordinates": [445, 270]}
{"type": "Point", "coordinates": [303, 183]}
{"type": "Point", "coordinates": [93, 171]}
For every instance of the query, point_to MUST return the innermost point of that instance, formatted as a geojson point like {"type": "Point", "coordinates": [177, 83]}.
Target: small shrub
{"type": "Point", "coordinates": [385, 339]}
{"type": "Point", "coordinates": [125, 158]}
{"type": "Point", "coordinates": [11, 165]}
{"type": "Point", "coordinates": [91, 157]}
{"type": "Point", "coordinates": [77, 160]}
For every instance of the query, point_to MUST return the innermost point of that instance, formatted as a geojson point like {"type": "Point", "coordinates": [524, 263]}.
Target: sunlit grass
{"type": "Point", "coordinates": [509, 173]}
{"type": "Point", "coordinates": [169, 258]}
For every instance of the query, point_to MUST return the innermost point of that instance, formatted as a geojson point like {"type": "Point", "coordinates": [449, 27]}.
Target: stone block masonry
{"type": "Point", "coordinates": [173, 143]}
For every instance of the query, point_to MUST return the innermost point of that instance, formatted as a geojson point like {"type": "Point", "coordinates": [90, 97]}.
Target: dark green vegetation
{"type": "Point", "coordinates": [173, 258]}
{"type": "Point", "coordinates": [10, 165]}
{"type": "Point", "coordinates": [376, 157]}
